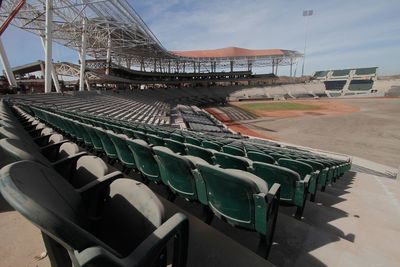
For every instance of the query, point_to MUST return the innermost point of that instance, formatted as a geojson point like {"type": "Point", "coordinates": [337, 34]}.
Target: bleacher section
{"type": "Point", "coordinates": [335, 85]}
{"type": "Point", "coordinates": [366, 71]}
{"type": "Point", "coordinates": [341, 73]}
{"type": "Point", "coordinates": [345, 80]}
{"type": "Point", "coordinates": [361, 85]}
{"type": "Point", "coordinates": [320, 74]}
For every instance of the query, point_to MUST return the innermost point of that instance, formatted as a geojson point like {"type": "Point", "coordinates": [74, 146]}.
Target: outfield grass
{"type": "Point", "coordinates": [278, 106]}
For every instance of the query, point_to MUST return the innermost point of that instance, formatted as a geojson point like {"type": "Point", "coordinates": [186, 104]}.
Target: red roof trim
{"type": "Point", "coordinates": [229, 52]}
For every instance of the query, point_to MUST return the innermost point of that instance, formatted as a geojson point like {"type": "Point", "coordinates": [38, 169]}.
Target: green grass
{"type": "Point", "coordinates": [277, 106]}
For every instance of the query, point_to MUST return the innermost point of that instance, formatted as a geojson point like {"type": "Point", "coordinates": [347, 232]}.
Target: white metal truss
{"type": "Point", "coordinates": [115, 32]}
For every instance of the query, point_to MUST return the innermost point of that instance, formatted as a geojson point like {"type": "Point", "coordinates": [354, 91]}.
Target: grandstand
{"type": "Point", "coordinates": [348, 81]}
{"type": "Point", "coordinates": [136, 159]}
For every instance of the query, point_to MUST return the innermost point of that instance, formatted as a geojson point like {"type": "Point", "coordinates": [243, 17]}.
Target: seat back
{"type": "Point", "coordinates": [316, 165]}
{"type": "Point", "coordinates": [177, 137]}
{"type": "Point", "coordinates": [125, 155]}
{"type": "Point", "coordinates": [176, 172]}
{"type": "Point", "coordinates": [228, 161]}
{"type": "Point", "coordinates": [88, 168]}
{"type": "Point", "coordinates": [48, 201]}
{"type": "Point", "coordinates": [211, 145]}
{"type": "Point", "coordinates": [155, 140]}
{"type": "Point", "coordinates": [106, 142]}
{"type": "Point", "coordinates": [130, 214]}
{"type": "Point", "coordinates": [144, 159]}
{"type": "Point", "coordinates": [260, 157]}
{"type": "Point", "coordinates": [192, 141]}
{"type": "Point", "coordinates": [300, 167]}
{"type": "Point", "coordinates": [232, 150]}
{"type": "Point", "coordinates": [276, 174]}
{"type": "Point", "coordinates": [67, 149]}
{"type": "Point", "coordinates": [200, 152]}
{"type": "Point", "coordinates": [175, 146]}
{"type": "Point", "coordinates": [230, 193]}
{"type": "Point", "coordinates": [12, 150]}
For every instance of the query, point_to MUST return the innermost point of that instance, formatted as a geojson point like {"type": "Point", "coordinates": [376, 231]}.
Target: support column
{"type": "Point", "coordinates": [273, 66]}
{"type": "Point", "coordinates": [155, 65]}
{"type": "Point", "coordinates": [141, 65]}
{"type": "Point", "coordinates": [177, 66]}
{"type": "Point", "coordinates": [291, 67]}
{"type": "Point", "coordinates": [7, 67]}
{"type": "Point", "coordinates": [184, 66]}
{"type": "Point", "coordinates": [108, 57]}
{"type": "Point", "coordinates": [169, 66]}
{"type": "Point", "coordinates": [83, 58]}
{"type": "Point", "coordinates": [276, 68]}
{"type": "Point", "coordinates": [53, 70]}
{"type": "Point", "coordinates": [231, 65]}
{"type": "Point", "coordinates": [49, 46]}
{"type": "Point", "coordinates": [194, 67]}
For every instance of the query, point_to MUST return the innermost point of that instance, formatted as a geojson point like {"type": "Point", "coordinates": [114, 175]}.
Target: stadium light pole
{"type": "Point", "coordinates": [306, 13]}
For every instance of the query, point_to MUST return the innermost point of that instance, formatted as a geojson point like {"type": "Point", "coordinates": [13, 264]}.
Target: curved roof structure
{"type": "Point", "coordinates": [115, 29]}
{"type": "Point", "coordinates": [230, 52]}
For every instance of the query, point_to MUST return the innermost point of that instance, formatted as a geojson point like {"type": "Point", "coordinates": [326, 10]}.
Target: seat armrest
{"type": "Point", "coordinates": [273, 193]}
{"type": "Point", "coordinates": [52, 148]}
{"type": "Point", "coordinates": [42, 140]}
{"type": "Point", "coordinates": [307, 179]}
{"type": "Point", "coordinates": [66, 165]}
{"type": "Point", "coordinates": [104, 181]}
{"type": "Point", "coordinates": [150, 249]}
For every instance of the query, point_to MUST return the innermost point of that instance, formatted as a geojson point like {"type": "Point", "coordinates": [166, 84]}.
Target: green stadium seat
{"type": "Point", "coordinates": [293, 189]}
{"type": "Point", "coordinates": [233, 150]}
{"type": "Point", "coordinates": [175, 146]}
{"type": "Point", "coordinates": [155, 140]}
{"type": "Point", "coordinates": [228, 161]}
{"type": "Point", "coordinates": [177, 172]}
{"type": "Point", "coordinates": [260, 157]}
{"type": "Point", "coordinates": [200, 152]}
{"type": "Point", "coordinates": [125, 155]}
{"type": "Point", "coordinates": [211, 145]}
{"type": "Point", "coordinates": [192, 141]}
{"type": "Point", "coordinates": [323, 172]}
{"type": "Point", "coordinates": [108, 145]}
{"type": "Point", "coordinates": [177, 137]}
{"type": "Point", "coordinates": [116, 229]}
{"type": "Point", "coordinates": [243, 200]}
{"type": "Point", "coordinates": [95, 139]}
{"type": "Point", "coordinates": [144, 159]}
{"type": "Point", "coordinates": [304, 170]}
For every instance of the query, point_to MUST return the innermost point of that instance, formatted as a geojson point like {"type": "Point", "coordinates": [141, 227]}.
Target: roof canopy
{"type": "Point", "coordinates": [230, 52]}
{"type": "Point", "coordinates": [115, 26]}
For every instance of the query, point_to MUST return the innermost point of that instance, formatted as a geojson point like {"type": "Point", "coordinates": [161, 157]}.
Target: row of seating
{"type": "Point", "coordinates": [147, 110]}
{"type": "Point", "coordinates": [299, 172]}
{"type": "Point", "coordinates": [81, 205]}
{"type": "Point", "coordinates": [155, 163]}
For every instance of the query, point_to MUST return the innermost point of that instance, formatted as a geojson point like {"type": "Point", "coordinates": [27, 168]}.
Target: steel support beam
{"type": "Point", "coordinates": [49, 46]}
{"type": "Point", "coordinates": [7, 67]}
{"type": "Point", "coordinates": [108, 56]}
{"type": "Point", "coordinates": [291, 67]}
{"type": "Point", "coordinates": [83, 57]}
{"type": "Point", "coordinates": [53, 70]}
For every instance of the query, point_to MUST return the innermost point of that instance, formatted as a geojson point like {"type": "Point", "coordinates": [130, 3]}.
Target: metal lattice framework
{"type": "Point", "coordinates": [114, 31]}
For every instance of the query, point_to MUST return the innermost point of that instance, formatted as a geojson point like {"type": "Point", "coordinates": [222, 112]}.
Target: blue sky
{"type": "Point", "coordinates": [341, 33]}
